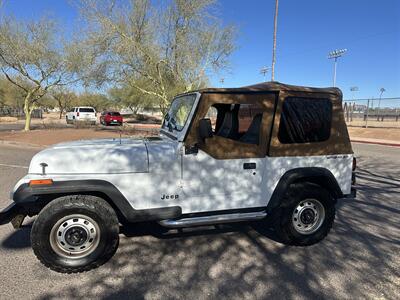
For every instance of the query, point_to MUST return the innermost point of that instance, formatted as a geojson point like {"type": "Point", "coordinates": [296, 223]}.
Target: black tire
{"type": "Point", "coordinates": [285, 218]}
{"type": "Point", "coordinates": [93, 208]}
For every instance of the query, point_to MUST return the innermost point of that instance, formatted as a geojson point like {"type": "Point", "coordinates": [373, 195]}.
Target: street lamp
{"type": "Point", "coordinates": [335, 55]}
{"type": "Point", "coordinates": [264, 71]}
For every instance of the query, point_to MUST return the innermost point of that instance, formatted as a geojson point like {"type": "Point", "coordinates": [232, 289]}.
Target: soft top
{"type": "Point", "coordinates": [272, 86]}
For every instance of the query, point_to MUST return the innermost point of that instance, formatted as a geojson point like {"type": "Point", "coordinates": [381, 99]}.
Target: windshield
{"type": "Point", "coordinates": [178, 113]}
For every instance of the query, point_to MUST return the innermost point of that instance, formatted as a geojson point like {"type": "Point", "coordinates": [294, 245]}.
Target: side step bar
{"type": "Point", "coordinates": [211, 220]}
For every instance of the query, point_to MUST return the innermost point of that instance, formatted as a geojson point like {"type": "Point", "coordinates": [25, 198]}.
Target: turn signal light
{"type": "Point", "coordinates": [41, 182]}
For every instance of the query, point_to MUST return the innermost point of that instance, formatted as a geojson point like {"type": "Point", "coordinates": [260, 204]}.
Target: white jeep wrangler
{"type": "Point", "coordinates": [264, 152]}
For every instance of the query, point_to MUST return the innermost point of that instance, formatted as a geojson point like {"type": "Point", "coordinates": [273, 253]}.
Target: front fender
{"type": "Point", "coordinates": [33, 198]}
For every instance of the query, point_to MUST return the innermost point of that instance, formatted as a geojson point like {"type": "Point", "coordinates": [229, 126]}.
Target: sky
{"type": "Point", "coordinates": [307, 31]}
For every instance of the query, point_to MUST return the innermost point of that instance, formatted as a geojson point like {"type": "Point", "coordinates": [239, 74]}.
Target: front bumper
{"type": "Point", "coordinates": [9, 213]}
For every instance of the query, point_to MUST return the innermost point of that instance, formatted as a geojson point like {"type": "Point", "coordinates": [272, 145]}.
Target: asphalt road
{"type": "Point", "coordinates": [359, 258]}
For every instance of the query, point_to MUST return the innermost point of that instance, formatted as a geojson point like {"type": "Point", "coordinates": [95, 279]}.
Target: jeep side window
{"type": "Point", "coordinates": [305, 120]}
{"type": "Point", "coordinates": [240, 122]}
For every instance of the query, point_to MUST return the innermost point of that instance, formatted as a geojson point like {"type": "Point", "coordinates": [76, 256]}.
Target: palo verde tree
{"type": "Point", "coordinates": [130, 97]}
{"type": "Point", "coordinates": [158, 48]}
{"type": "Point", "coordinates": [65, 99]}
{"type": "Point", "coordinates": [34, 59]}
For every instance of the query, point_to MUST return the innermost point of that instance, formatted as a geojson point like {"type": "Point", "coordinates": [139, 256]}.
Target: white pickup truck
{"type": "Point", "coordinates": [81, 113]}
{"type": "Point", "coordinates": [265, 152]}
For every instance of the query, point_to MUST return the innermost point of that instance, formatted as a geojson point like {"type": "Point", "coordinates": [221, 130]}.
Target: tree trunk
{"type": "Point", "coordinates": [28, 112]}
{"type": "Point", "coordinates": [61, 112]}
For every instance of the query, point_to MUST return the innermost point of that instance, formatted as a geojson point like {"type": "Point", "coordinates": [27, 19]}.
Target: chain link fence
{"type": "Point", "coordinates": [19, 112]}
{"type": "Point", "coordinates": [383, 112]}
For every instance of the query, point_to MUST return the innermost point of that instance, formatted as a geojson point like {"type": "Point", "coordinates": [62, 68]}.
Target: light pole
{"type": "Point", "coordinates": [335, 55]}
{"type": "Point", "coordinates": [353, 89]}
{"type": "Point", "coordinates": [274, 41]}
{"type": "Point", "coordinates": [382, 90]}
{"type": "Point", "coordinates": [264, 71]}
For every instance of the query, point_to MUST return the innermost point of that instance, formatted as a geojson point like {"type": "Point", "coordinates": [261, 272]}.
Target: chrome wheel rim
{"type": "Point", "coordinates": [75, 236]}
{"type": "Point", "coordinates": [308, 216]}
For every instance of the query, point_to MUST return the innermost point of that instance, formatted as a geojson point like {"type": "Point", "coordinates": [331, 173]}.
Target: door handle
{"type": "Point", "coordinates": [249, 166]}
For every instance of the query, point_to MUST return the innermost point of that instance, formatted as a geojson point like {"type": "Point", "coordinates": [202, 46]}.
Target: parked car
{"type": "Point", "coordinates": [111, 118]}
{"type": "Point", "coordinates": [265, 152]}
{"type": "Point", "coordinates": [81, 113]}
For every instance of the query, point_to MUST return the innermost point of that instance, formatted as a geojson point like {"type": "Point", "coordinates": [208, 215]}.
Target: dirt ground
{"type": "Point", "coordinates": [392, 134]}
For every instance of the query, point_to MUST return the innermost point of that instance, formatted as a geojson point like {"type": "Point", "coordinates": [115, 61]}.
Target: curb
{"type": "Point", "coordinates": [375, 143]}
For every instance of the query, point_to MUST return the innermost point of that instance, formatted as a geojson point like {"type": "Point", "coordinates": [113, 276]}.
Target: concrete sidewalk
{"type": "Point", "coordinates": [375, 141]}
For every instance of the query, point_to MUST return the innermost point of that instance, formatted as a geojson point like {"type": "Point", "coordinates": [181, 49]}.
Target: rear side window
{"type": "Point", "coordinates": [305, 120]}
{"type": "Point", "coordinates": [87, 110]}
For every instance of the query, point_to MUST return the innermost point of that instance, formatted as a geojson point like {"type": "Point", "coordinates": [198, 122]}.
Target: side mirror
{"type": "Point", "coordinates": [205, 129]}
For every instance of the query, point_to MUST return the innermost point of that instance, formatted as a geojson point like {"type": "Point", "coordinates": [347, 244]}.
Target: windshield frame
{"type": "Point", "coordinates": [176, 134]}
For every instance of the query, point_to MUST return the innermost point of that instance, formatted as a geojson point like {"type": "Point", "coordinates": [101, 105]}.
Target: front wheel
{"type": "Point", "coordinates": [75, 233]}
{"type": "Point", "coordinates": [305, 215]}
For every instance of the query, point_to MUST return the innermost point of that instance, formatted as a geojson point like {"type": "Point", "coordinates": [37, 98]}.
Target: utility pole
{"type": "Point", "coordinates": [222, 80]}
{"type": "Point", "coordinates": [335, 55]}
{"type": "Point", "coordinates": [264, 71]}
{"type": "Point", "coordinates": [274, 41]}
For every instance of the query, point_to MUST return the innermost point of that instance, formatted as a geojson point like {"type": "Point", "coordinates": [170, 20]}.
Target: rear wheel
{"type": "Point", "coordinates": [305, 215]}
{"type": "Point", "coordinates": [75, 233]}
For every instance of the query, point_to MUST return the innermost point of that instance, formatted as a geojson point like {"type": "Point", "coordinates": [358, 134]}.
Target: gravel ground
{"type": "Point", "coordinates": [358, 259]}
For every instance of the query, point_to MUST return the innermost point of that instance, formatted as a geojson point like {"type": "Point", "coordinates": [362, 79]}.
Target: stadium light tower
{"type": "Point", "coordinates": [353, 89]}
{"type": "Point", "coordinates": [382, 90]}
{"type": "Point", "coordinates": [335, 55]}
{"type": "Point", "coordinates": [264, 71]}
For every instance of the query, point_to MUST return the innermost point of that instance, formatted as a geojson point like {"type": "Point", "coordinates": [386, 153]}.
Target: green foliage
{"type": "Point", "coordinates": [148, 50]}
{"type": "Point", "coordinates": [10, 95]}
{"type": "Point", "coordinates": [98, 101]}
{"type": "Point", "coordinates": [159, 49]}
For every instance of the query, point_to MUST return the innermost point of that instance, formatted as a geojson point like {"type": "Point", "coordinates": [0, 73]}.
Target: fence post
{"type": "Point", "coordinates": [366, 119]}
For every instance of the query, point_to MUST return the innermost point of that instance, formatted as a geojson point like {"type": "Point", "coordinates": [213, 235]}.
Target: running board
{"type": "Point", "coordinates": [215, 219]}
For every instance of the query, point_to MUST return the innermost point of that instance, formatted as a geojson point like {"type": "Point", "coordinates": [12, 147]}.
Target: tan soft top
{"type": "Point", "coordinates": [270, 95]}
{"type": "Point", "coordinates": [272, 86]}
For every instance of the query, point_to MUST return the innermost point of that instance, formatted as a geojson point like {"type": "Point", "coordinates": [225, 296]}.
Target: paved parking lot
{"type": "Point", "coordinates": [359, 258]}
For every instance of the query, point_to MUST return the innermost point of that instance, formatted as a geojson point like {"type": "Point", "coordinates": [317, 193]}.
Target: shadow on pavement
{"type": "Point", "coordinates": [358, 259]}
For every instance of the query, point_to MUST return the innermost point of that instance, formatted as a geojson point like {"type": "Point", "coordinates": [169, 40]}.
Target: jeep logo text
{"type": "Point", "coordinates": [169, 197]}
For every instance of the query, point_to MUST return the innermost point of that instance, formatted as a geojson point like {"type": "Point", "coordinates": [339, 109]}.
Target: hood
{"type": "Point", "coordinates": [103, 156]}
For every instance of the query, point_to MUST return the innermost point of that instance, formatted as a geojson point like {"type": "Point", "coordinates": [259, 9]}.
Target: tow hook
{"type": "Point", "coordinates": [17, 221]}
